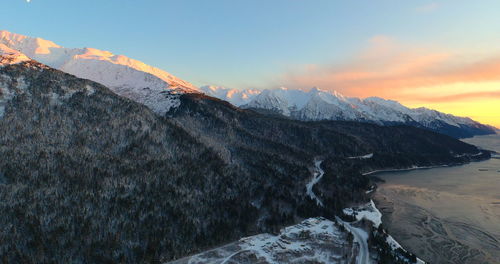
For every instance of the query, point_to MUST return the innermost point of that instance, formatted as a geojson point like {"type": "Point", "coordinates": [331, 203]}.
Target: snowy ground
{"type": "Point", "coordinates": [315, 240]}
{"type": "Point", "coordinates": [367, 156]}
{"type": "Point", "coordinates": [371, 213]}
{"type": "Point", "coordinates": [360, 237]}
{"type": "Point", "coordinates": [368, 211]}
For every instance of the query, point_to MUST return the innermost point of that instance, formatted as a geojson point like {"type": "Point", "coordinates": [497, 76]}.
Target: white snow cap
{"type": "Point", "coordinates": [55, 56]}
{"type": "Point", "coordinates": [127, 77]}
{"type": "Point", "coordinates": [11, 56]}
{"type": "Point", "coordinates": [317, 104]}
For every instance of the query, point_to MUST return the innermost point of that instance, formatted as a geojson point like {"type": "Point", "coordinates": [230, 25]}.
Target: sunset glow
{"type": "Point", "coordinates": [452, 82]}
{"type": "Point", "coordinates": [438, 54]}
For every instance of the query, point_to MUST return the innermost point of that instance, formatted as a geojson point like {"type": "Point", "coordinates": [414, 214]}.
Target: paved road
{"type": "Point", "coordinates": [317, 175]}
{"type": "Point", "coordinates": [361, 237]}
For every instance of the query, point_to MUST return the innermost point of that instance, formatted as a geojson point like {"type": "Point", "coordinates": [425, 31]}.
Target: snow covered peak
{"type": "Point", "coordinates": [56, 56]}
{"type": "Point", "coordinates": [235, 96]}
{"type": "Point", "coordinates": [29, 46]}
{"type": "Point", "coordinates": [127, 77]}
{"type": "Point", "coordinates": [10, 56]}
{"type": "Point", "coordinates": [316, 90]}
{"type": "Point", "coordinates": [383, 101]}
{"type": "Point", "coordinates": [282, 100]}
{"type": "Point", "coordinates": [106, 56]}
{"type": "Point", "coordinates": [317, 104]}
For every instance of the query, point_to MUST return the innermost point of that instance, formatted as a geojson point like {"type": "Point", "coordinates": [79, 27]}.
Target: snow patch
{"type": "Point", "coordinates": [90, 90]}
{"type": "Point", "coordinates": [7, 94]}
{"type": "Point", "coordinates": [370, 212]}
{"type": "Point", "coordinates": [314, 240]}
{"type": "Point", "coordinates": [290, 240]}
{"type": "Point", "coordinates": [367, 156]}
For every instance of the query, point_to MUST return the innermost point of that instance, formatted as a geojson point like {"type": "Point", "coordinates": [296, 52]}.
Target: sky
{"type": "Point", "coordinates": [443, 55]}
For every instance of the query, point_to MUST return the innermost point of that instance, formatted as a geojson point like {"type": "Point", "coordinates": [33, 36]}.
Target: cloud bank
{"type": "Point", "coordinates": [388, 69]}
{"type": "Point", "coordinates": [462, 83]}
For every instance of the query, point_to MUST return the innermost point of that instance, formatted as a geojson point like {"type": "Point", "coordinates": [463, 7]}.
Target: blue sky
{"type": "Point", "coordinates": [440, 54]}
{"type": "Point", "coordinates": [244, 44]}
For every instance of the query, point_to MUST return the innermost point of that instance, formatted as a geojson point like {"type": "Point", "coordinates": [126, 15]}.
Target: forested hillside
{"type": "Point", "coordinates": [87, 176]}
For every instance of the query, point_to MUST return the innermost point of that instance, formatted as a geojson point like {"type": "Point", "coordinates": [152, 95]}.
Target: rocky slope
{"type": "Point", "coordinates": [317, 105]}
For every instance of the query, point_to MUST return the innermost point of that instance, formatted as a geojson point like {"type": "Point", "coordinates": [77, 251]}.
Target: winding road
{"type": "Point", "coordinates": [360, 237]}
{"type": "Point", "coordinates": [317, 175]}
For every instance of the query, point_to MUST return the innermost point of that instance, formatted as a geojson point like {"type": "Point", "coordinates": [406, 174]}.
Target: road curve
{"type": "Point", "coordinates": [361, 237]}
{"type": "Point", "coordinates": [317, 175]}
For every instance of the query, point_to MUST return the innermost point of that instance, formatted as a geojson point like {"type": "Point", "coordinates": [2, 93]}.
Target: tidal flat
{"type": "Point", "coordinates": [448, 214]}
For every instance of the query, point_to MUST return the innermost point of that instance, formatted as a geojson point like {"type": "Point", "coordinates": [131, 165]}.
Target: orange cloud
{"type": "Point", "coordinates": [408, 74]}
{"type": "Point", "coordinates": [473, 96]}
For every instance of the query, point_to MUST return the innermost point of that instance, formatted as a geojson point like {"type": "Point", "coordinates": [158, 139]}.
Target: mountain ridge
{"type": "Point", "coordinates": [127, 77]}
{"type": "Point", "coordinates": [316, 105]}
{"type": "Point", "coordinates": [160, 90]}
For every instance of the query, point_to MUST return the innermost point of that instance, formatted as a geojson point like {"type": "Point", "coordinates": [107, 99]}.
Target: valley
{"type": "Point", "coordinates": [107, 160]}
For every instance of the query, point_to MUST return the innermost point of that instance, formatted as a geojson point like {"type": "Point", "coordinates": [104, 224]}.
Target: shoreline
{"type": "Point", "coordinates": [492, 155]}
{"type": "Point", "coordinates": [410, 169]}
{"type": "Point", "coordinates": [380, 201]}
{"type": "Point", "coordinates": [376, 203]}
{"type": "Point", "coordinates": [371, 213]}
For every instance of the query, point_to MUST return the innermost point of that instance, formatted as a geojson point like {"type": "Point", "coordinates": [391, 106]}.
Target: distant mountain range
{"type": "Point", "coordinates": [316, 104]}
{"type": "Point", "coordinates": [160, 90]}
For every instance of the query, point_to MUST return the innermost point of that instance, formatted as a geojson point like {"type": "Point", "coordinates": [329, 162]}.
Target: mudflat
{"type": "Point", "coordinates": [446, 215]}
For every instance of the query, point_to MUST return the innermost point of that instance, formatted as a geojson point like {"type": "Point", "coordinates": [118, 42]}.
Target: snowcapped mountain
{"type": "Point", "coordinates": [235, 96]}
{"type": "Point", "coordinates": [317, 104]}
{"type": "Point", "coordinates": [127, 77]}
{"type": "Point", "coordinates": [10, 56]}
{"type": "Point", "coordinates": [160, 90]}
